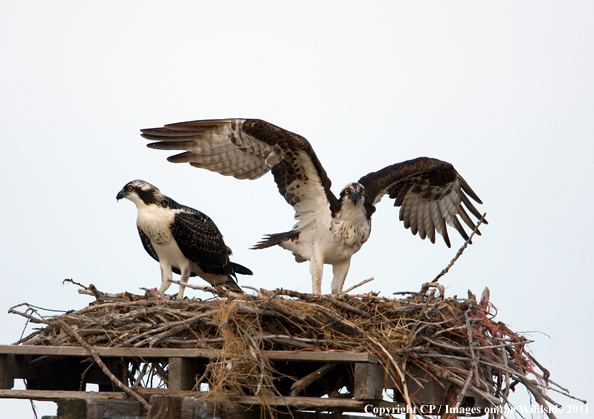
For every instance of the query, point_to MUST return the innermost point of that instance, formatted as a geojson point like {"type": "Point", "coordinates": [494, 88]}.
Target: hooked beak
{"type": "Point", "coordinates": [120, 195]}
{"type": "Point", "coordinates": [354, 197]}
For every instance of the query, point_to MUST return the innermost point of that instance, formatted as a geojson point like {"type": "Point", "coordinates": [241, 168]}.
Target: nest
{"type": "Point", "coordinates": [452, 340]}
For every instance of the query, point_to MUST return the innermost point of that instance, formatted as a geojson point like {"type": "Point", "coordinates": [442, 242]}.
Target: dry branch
{"type": "Point", "coordinates": [464, 246]}
{"type": "Point", "coordinates": [103, 367]}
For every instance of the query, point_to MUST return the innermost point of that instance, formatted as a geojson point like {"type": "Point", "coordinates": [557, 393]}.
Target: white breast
{"type": "Point", "coordinates": [350, 229]}
{"type": "Point", "coordinates": [332, 240]}
{"type": "Point", "coordinates": [154, 222]}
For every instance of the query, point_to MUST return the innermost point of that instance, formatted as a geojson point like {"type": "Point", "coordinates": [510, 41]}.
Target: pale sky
{"type": "Point", "coordinates": [503, 90]}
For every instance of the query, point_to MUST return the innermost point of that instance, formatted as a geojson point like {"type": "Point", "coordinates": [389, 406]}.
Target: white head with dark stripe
{"type": "Point", "coordinates": [141, 193]}
{"type": "Point", "coordinates": [353, 192]}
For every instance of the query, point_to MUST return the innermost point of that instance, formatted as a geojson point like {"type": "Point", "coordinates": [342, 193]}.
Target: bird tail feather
{"type": "Point", "coordinates": [240, 269]}
{"type": "Point", "coordinates": [270, 240]}
{"type": "Point", "coordinates": [228, 282]}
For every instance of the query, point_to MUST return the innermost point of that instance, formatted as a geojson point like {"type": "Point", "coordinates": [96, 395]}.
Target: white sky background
{"type": "Point", "coordinates": [503, 90]}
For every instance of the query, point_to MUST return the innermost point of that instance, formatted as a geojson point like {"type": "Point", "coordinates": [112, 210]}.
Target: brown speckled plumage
{"type": "Point", "coordinates": [167, 228]}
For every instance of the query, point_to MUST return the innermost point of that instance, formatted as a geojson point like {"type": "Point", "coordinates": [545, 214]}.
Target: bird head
{"type": "Point", "coordinates": [140, 192]}
{"type": "Point", "coordinates": [353, 191]}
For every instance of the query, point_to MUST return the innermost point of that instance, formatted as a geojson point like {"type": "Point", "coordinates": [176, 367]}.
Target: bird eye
{"type": "Point", "coordinates": [346, 192]}
{"type": "Point", "coordinates": [362, 192]}
{"type": "Point", "coordinates": [130, 188]}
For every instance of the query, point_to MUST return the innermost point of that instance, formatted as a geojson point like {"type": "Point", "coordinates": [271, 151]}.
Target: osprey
{"type": "Point", "coordinates": [181, 239]}
{"type": "Point", "coordinates": [329, 229]}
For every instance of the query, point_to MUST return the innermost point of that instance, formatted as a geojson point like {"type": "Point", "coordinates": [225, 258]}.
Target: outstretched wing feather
{"type": "Point", "coordinates": [247, 149]}
{"type": "Point", "coordinates": [429, 193]}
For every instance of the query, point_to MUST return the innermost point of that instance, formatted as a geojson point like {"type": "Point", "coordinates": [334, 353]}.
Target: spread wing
{"type": "Point", "coordinates": [200, 240]}
{"type": "Point", "coordinates": [247, 149]}
{"type": "Point", "coordinates": [430, 194]}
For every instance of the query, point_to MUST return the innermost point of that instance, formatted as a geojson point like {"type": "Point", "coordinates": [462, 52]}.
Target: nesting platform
{"type": "Point", "coordinates": [60, 374]}
{"type": "Point", "coordinates": [273, 354]}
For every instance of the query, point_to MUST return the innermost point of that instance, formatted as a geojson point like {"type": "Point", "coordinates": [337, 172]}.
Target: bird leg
{"type": "Point", "coordinates": [165, 278]}
{"type": "Point", "coordinates": [185, 276]}
{"type": "Point", "coordinates": [340, 272]}
{"type": "Point", "coordinates": [316, 266]}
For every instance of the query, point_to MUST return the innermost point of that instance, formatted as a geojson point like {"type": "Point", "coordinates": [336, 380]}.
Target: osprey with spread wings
{"type": "Point", "coordinates": [330, 229]}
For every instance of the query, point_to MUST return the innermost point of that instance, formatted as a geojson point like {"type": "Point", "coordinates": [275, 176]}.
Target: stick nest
{"type": "Point", "coordinates": [455, 342]}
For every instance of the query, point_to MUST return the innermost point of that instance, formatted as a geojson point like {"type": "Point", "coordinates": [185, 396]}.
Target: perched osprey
{"type": "Point", "coordinates": [181, 239]}
{"type": "Point", "coordinates": [329, 230]}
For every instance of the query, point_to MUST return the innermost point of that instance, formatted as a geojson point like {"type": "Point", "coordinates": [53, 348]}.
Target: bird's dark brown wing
{"type": "Point", "coordinates": [146, 243]}
{"type": "Point", "coordinates": [200, 240]}
{"type": "Point", "coordinates": [430, 194]}
{"type": "Point", "coordinates": [247, 149]}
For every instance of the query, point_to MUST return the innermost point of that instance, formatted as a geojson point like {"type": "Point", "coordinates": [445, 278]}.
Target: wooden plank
{"type": "Point", "coordinates": [109, 352]}
{"type": "Point", "coordinates": [6, 380]}
{"type": "Point", "coordinates": [328, 404]}
{"type": "Point", "coordinates": [182, 374]}
{"type": "Point", "coordinates": [191, 403]}
{"type": "Point", "coordinates": [322, 356]}
{"type": "Point", "coordinates": [98, 409]}
{"type": "Point", "coordinates": [329, 356]}
{"type": "Point", "coordinates": [369, 381]}
{"type": "Point", "coordinates": [348, 405]}
{"type": "Point", "coordinates": [175, 407]}
{"type": "Point", "coordinates": [53, 395]}
{"type": "Point", "coordinates": [296, 414]}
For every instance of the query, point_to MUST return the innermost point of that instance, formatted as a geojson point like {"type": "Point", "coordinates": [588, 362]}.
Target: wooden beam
{"type": "Point", "coordinates": [318, 403]}
{"type": "Point", "coordinates": [174, 407]}
{"type": "Point", "coordinates": [53, 395]}
{"type": "Point", "coordinates": [369, 381]}
{"type": "Point", "coordinates": [322, 356]}
{"type": "Point", "coordinates": [182, 374]}
{"type": "Point", "coordinates": [109, 352]}
{"type": "Point", "coordinates": [329, 356]}
{"type": "Point", "coordinates": [96, 409]}
{"type": "Point", "coordinates": [191, 403]}
{"type": "Point", "coordinates": [6, 380]}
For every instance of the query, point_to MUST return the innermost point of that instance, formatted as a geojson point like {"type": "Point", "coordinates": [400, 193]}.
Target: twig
{"type": "Point", "coordinates": [251, 288]}
{"type": "Point", "coordinates": [404, 389]}
{"type": "Point", "coordinates": [453, 378]}
{"type": "Point", "coordinates": [194, 287]}
{"type": "Point", "coordinates": [566, 394]}
{"type": "Point", "coordinates": [472, 371]}
{"type": "Point", "coordinates": [540, 399]}
{"type": "Point", "coordinates": [348, 307]}
{"type": "Point", "coordinates": [258, 358]}
{"type": "Point", "coordinates": [141, 375]}
{"type": "Point", "coordinates": [464, 246]}
{"type": "Point", "coordinates": [300, 385]}
{"type": "Point", "coordinates": [507, 382]}
{"type": "Point", "coordinates": [356, 286]}
{"type": "Point", "coordinates": [545, 373]}
{"type": "Point", "coordinates": [503, 345]}
{"type": "Point", "coordinates": [269, 299]}
{"type": "Point", "coordinates": [27, 316]}
{"type": "Point", "coordinates": [184, 323]}
{"type": "Point", "coordinates": [73, 282]}
{"type": "Point", "coordinates": [101, 365]}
